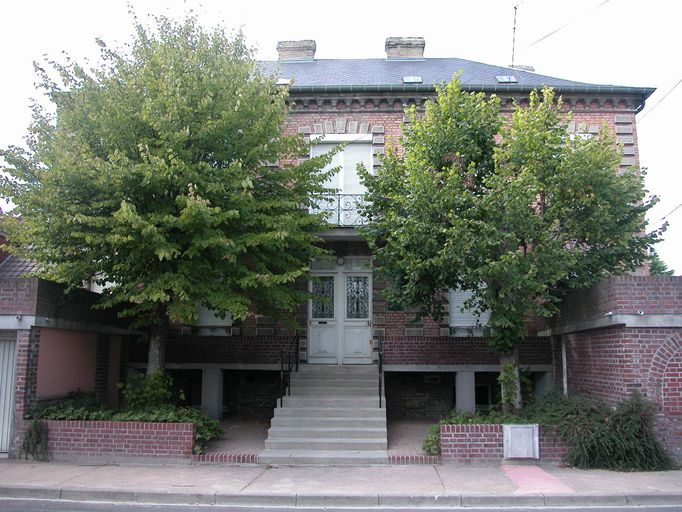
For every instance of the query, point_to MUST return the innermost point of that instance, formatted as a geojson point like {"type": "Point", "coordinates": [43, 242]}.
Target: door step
{"type": "Point", "coordinates": [323, 457]}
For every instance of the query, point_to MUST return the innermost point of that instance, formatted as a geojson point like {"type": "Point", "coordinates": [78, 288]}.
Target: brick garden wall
{"type": "Point", "coordinates": [71, 440]}
{"type": "Point", "coordinates": [485, 443]}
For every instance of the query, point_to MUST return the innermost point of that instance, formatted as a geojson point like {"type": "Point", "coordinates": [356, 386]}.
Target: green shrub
{"type": "Point", "coordinates": [621, 439]}
{"type": "Point", "coordinates": [35, 441]}
{"type": "Point", "coordinates": [431, 443]}
{"type": "Point", "coordinates": [600, 437]}
{"type": "Point", "coordinates": [147, 390]}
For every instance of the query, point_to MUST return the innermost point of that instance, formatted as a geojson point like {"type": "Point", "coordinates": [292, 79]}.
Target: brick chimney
{"type": "Point", "coordinates": [405, 48]}
{"type": "Point", "coordinates": [296, 50]}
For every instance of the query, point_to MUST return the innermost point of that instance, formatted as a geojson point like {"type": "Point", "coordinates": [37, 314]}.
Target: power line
{"type": "Point", "coordinates": [564, 26]}
{"type": "Point", "coordinates": [660, 101]}
{"type": "Point", "coordinates": [669, 213]}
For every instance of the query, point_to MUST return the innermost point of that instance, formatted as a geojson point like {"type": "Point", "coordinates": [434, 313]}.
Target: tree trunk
{"type": "Point", "coordinates": [510, 382]}
{"type": "Point", "coordinates": [156, 359]}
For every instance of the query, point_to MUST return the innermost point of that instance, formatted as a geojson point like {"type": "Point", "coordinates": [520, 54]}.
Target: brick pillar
{"type": "Point", "coordinates": [102, 368]}
{"type": "Point", "coordinates": [25, 383]}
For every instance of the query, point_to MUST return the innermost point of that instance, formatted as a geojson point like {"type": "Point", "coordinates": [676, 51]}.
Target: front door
{"type": "Point", "coordinates": [340, 328]}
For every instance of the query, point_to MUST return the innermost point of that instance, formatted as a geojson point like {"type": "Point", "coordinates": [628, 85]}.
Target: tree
{"type": "Point", "coordinates": [153, 177]}
{"type": "Point", "coordinates": [518, 222]}
{"type": "Point", "coordinates": [657, 266]}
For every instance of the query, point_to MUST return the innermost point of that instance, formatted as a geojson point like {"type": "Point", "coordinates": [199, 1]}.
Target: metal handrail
{"type": "Point", "coordinates": [381, 368]}
{"type": "Point", "coordinates": [285, 374]}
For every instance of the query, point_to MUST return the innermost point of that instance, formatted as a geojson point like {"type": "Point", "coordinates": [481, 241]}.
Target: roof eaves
{"type": "Point", "coordinates": [561, 89]}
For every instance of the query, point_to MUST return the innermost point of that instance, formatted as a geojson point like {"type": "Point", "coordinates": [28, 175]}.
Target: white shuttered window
{"type": "Point", "coordinates": [465, 318]}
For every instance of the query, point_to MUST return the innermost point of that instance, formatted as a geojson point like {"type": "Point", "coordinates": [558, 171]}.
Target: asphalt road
{"type": "Point", "coordinates": [23, 505]}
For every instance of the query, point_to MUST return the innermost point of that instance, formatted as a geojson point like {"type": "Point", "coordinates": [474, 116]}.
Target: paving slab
{"type": "Point", "coordinates": [534, 480]}
{"type": "Point", "coordinates": [177, 479]}
{"type": "Point", "coordinates": [469, 479]}
{"type": "Point", "coordinates": [600, 481]}
{"type": "Point", "coordinates": [419, 479]}
{"type": "Point", "coordinates": [31, 473]}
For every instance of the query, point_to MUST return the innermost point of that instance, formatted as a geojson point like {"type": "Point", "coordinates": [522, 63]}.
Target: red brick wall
{"type": "Point", "coordinates": [397, 350]}
{"type": "Point", "coordinates": [102, 439]}
{"type": "Point", "coordinates": [18, 296]}
{"type": "Point", "coordinates": [470, 443]}
{"type": "Point", "coordinates": [218, 349]}
{"type": "Point", "coordinates": [660, 295]}
{"type": "Point", "coordinates": [452, 350]}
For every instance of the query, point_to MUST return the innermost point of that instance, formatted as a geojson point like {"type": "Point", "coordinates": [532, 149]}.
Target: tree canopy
{"type": "Point", "coordinates": [158, 175]}
{"type": "Point", "coordinates": [515, 210]}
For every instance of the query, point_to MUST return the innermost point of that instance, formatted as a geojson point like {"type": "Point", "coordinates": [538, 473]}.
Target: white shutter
{"type": "Point", "coordinates": [334, 181]}
{"type": "Point", "coordinates": [467, 317]}
{"type": "Point", "coordinates": [354, 154]}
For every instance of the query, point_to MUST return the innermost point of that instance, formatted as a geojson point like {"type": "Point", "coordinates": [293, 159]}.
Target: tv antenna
{"type": "Point", "coordinates": [514, 36]}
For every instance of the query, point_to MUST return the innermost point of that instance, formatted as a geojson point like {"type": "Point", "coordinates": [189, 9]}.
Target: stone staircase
{"type": "Point", "coordinates": [331, 417]}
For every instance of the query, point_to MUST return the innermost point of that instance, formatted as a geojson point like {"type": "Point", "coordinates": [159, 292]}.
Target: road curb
{"type": "Point", "coordinates": [30, 492]}
{"type": "Point", "coordinates": [111, 496]}
{"type": "Point", "coordinates": [374, 501]}
{"type": "Point", "coordinates": [595, 500]}
{"type": "Point", "coordinates": [636, 499]}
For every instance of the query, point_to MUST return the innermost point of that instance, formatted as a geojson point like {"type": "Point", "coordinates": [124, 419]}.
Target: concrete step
{"type": "Point", "coordinates": [331, 401]}
{"type": "Point", "coordinates": [277, 432]}
{"type": "Point", "coordinates": [325, 443]}
{"type": "Point", "coordinates": [298, 390]}
{"type": "Point", "coordinates": [306, 371]}
{"type": "Point", "coordinates": [328, 422]}
{"type": "Point", "coordinates": [323, 457]}
{"type": "Point", "coordinates": [330, 411]}
{"type": "Point", "coordinates": [337, 382]}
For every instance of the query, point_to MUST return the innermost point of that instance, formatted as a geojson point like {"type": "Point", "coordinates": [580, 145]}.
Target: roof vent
{"type": "Point", "coordinates": [284, 81]}
{"type": "Point", "coordinates": [412, 80]}
{"type": "Point", "coordinates": [296, 51]}
{"type": "Point", "coordinates": [506, 79]}
{"type": "Point", "coordinates": [404, 48]}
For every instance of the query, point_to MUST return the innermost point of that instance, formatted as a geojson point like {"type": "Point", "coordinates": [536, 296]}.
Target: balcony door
{"type": "Point", "coordinates": [340, 328]}
{"type": "Point", "coordinates": [346, 190]}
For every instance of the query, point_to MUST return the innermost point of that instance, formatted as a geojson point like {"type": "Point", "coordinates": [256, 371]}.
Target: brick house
{"type": "Point", "coordinates": [600, 344]}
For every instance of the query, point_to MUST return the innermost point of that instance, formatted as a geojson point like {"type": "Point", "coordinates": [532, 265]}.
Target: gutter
{"type": "Point", "coordinates": [507, 88]}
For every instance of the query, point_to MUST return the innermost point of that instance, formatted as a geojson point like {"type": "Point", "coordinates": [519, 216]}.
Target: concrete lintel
{"type": "Point", "coordinates": [642, 321]}
{"type": "Point", "coordinates": [23, 322]}
{"type": "Point", "coordinates": [341, 234]}
{"type": "Point", "coordinates": [222, 366]}
{"type": "Point", "coordinates": [459, 367]}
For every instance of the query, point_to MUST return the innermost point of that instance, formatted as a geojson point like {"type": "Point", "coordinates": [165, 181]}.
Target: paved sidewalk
{"type": "Point", "coordinates": [374, 486]}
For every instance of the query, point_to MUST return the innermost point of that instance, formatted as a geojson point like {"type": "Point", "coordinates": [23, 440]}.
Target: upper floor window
{"type": "Point", "coordinates": [464, 321]}
{"type": "Point", "coordinates": [346, 190]}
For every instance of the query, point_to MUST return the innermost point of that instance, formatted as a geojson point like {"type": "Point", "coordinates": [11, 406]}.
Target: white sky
{"type": "Point", "coordinates": [621, 42]}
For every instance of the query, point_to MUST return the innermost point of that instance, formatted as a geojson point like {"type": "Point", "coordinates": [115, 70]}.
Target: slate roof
{"type": "Point", "coordinates": [16, 267]}
{"type": "Point", "coordinates": [341, 75]}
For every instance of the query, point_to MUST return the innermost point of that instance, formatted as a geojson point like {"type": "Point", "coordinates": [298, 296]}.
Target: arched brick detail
{"type": "Point", "coordinates": [665, 375]}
